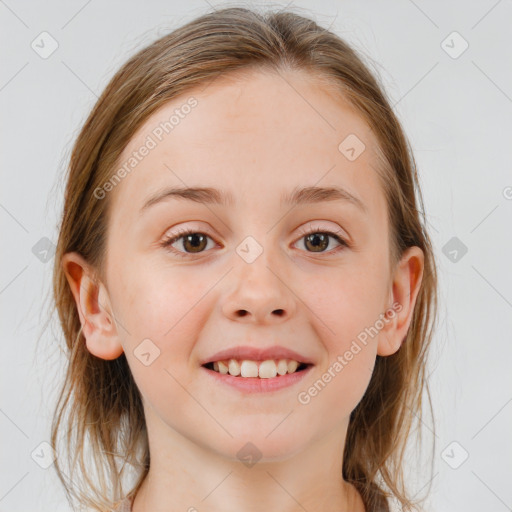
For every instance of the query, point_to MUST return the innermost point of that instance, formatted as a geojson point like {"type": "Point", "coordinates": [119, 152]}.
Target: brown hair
{"type": "Point", "coordinates": [100, 396]}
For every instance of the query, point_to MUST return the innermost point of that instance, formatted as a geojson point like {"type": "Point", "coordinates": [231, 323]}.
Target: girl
{"type": "Point", "coordinates": [245, 284]}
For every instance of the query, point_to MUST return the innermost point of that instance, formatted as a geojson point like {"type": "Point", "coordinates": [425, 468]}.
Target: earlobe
{"type": "Point", "coordinates": [406, 284]}
{"type": "Point", "coordinates": [94, 308]}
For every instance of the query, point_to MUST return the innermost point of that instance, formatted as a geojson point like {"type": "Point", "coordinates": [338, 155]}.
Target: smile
{"type": "Point", "coordinates": [253, 376]}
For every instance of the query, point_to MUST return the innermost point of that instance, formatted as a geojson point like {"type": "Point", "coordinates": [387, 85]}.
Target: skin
{"type": "Point", "coordinates": [255, 136]}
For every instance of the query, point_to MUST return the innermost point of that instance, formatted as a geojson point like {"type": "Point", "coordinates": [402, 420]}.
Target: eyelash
{"type": "Point", "coordinates": [167, 243]}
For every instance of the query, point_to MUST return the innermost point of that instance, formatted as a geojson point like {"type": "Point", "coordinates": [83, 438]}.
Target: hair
{"type": "Point", "coordinates": [100, 397]}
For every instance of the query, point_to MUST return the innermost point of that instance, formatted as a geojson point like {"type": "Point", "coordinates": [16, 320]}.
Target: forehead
{"type": "Point", "coordinates": [252, 134]}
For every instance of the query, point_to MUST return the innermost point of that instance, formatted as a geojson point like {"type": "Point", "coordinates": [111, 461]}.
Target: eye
{"type": "Point", "coordinates": [193, 242]}
{"type": "Point", "coordinates": [318, 240]}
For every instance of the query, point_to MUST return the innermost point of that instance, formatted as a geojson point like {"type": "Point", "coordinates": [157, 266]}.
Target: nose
{"type": "Point", "coordinates": [260, 295]}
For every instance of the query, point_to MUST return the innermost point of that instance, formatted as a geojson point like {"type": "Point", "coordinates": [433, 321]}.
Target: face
{"type": "Point", "coordinates": [251, 275]}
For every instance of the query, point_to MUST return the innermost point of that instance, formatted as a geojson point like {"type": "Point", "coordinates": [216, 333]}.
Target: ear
{"type": "Point", "coordinates": [94, 308]}
{"type": "Point", "coordinates": [406, 283]}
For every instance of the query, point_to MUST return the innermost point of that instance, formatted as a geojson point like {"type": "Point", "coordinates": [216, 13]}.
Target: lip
{"type": "Point", "coordinates": [256, 384]}
{"type": "Point", "coordinates": [257, 354]}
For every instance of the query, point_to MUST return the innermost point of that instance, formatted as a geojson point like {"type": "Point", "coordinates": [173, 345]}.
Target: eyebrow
{"type": "Point", "coordinates": [298, 196]}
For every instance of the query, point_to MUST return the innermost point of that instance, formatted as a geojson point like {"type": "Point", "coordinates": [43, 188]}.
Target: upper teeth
{"type": "Point", "coordinates": [264, 369]}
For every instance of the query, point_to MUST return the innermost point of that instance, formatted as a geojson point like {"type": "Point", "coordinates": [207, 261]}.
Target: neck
{"type": "Point", "coordinates": [194, 477]}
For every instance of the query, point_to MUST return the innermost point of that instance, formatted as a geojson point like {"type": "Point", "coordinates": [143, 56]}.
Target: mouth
{"type": "Point", "coordinates": [248, 377]}
{"type": "Point", "coordinates": [256, 369]}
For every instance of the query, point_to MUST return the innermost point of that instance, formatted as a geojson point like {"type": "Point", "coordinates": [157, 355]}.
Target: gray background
{"type": "Point", "coordinates": [457, 112]}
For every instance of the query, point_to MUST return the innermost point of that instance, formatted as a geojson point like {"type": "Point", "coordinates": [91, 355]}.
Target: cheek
{"type": "Point", "coordinates": [338, 387]}
{"type": "Point", "coordinates": [351, 382]}
{"type": "Point", "coordinates": [161, 313]}
{"type": "Point", "coordinates": [347, 308]}
{"type": "Point", "coordinates": [346, 300]}
{"type": "Point", "coordinates": [162, 306]}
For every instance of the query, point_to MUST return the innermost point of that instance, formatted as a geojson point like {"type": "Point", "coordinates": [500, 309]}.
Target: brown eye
{"type": "Point", "coordinates": [318, 242]}
{"type": "Point", "coordinates": [194, 242]}
{"type": "Point", "coordinates": [187, 242]}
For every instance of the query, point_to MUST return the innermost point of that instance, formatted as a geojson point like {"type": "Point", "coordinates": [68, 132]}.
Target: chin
{"type": "Point", "coordinates": [255, 447]}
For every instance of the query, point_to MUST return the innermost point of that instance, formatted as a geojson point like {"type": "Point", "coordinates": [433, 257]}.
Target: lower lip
{"type": "Point", "coordinates": [257, 385]}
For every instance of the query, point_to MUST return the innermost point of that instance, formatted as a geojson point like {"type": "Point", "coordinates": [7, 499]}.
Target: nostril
{"type": "Point", "coordinates": [279, 312]}
{"type": "Point", "coordinates": [242, 312]}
